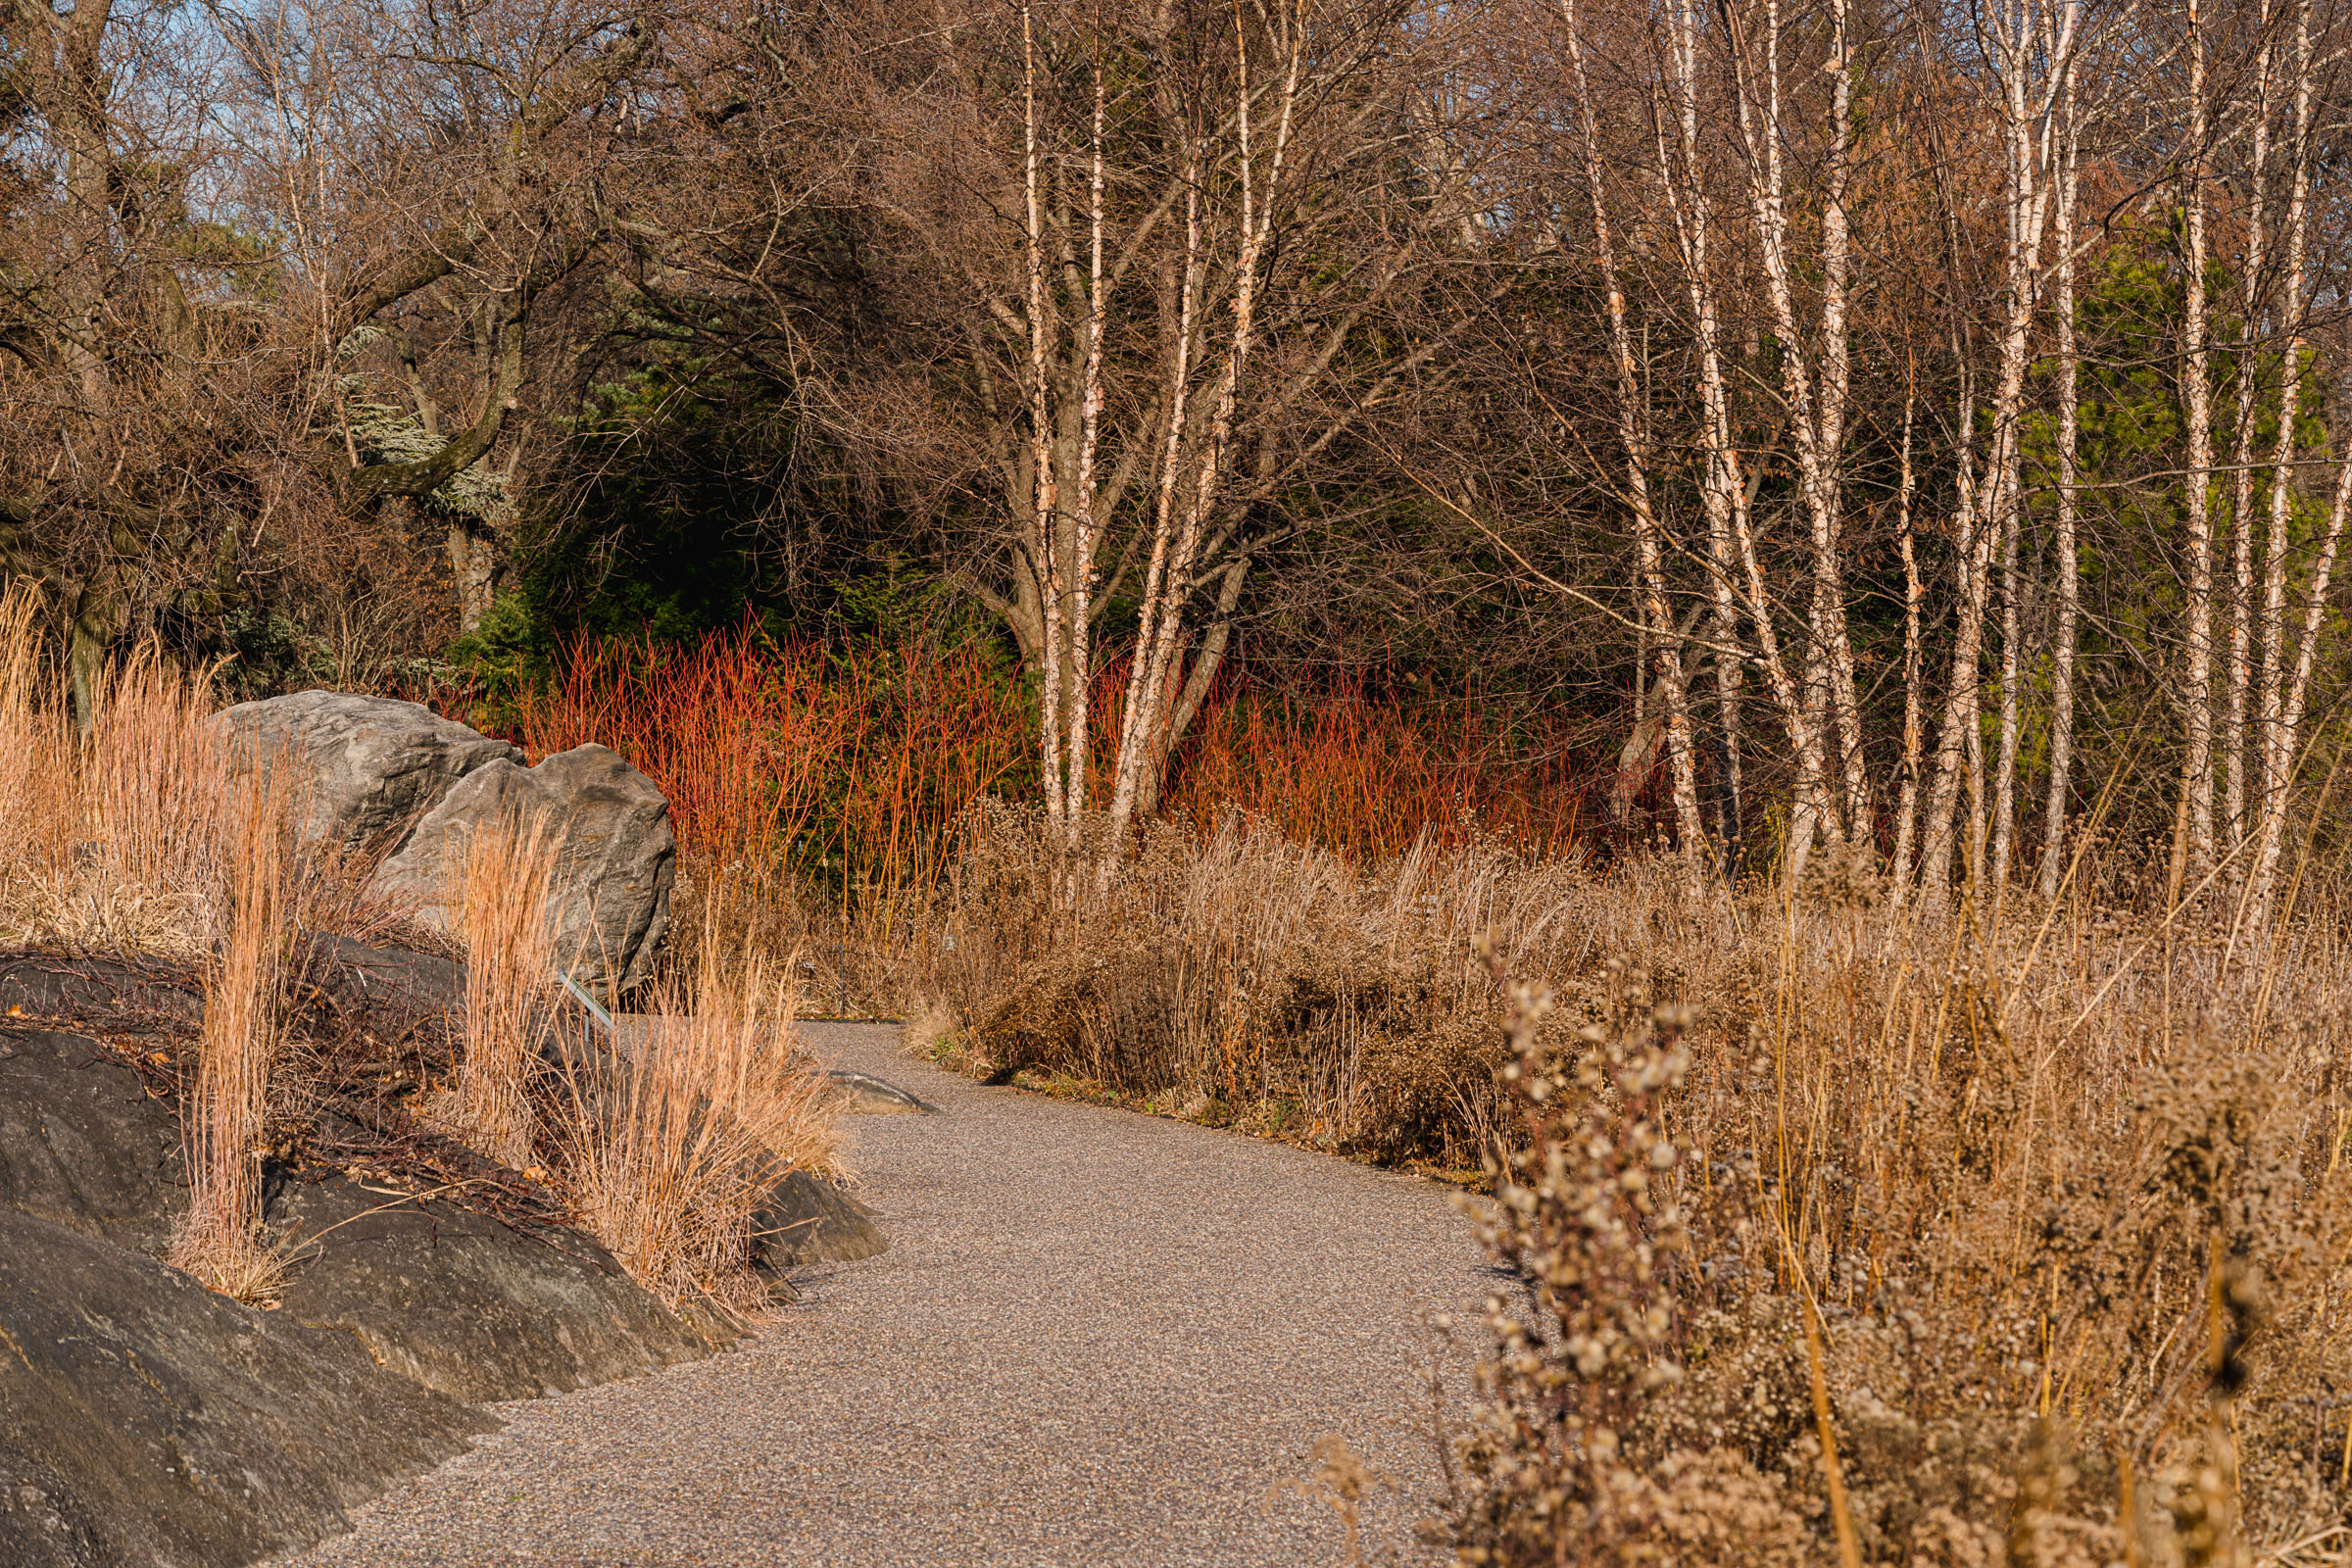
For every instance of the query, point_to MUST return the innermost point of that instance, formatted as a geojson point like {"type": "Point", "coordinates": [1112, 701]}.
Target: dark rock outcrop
{"type": "Point", "coordinates": [385, 992]}
{"type": "Point", "coordinates": [368, 767]}
{"type": "Point", "coordinates": [462, 1302]}
{"type": "Point", "coordinates": [470, 1306]}
{"type": "Point", "coordinates": [101, 993]}
{"type": "Point", "coordinates": [145, 1420]}
{"type": "Point", "coordinates": [612, 873]}
{"type": "Point", "coordinates": [82, 1144]}
{"type": "Point", "coordinates": [808, 1220]}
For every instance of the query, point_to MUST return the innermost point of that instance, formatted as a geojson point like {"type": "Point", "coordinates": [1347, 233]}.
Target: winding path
{"type": "Point", "coordinates": [1098, 1339]}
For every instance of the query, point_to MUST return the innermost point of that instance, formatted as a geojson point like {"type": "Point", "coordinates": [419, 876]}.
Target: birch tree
{"type": "Point", "coordinates": [2196, 851]}
{"type": "Point", "coordinates": [1651, 582]}
{"type": "Point", "coordinates": [2063, 543]}
{"type": "Point", "coordinates": [2032, 50]}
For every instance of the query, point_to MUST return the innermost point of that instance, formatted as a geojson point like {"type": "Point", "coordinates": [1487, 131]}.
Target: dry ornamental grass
{"type": "Point", "coordinates": [2038, 1219]}
{"type": "Point", "coordinates": [676, 1133]}
{"type": "Point", "coordinates": [218, 1239]}
{"type": "Point", "coordinates": [501, 875]}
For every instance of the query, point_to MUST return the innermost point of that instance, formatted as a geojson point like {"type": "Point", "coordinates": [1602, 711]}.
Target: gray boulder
{"type": "Point", "coordinates": [612, 873]}
{"type": "Point", "coordinates": [370, 765]}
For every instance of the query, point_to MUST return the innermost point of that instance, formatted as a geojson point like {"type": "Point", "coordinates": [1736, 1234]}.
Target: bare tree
{"type": "Point", "coordinates": [2063, 543]}
{"type": "Point", "coordinates": [1651, 582]}
{"type": "Point", "coordinates": [2032, 54]}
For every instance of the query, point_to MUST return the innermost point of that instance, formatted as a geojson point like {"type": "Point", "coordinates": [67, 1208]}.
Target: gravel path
{"type": "Point", "coordinates": [1098, 1339]}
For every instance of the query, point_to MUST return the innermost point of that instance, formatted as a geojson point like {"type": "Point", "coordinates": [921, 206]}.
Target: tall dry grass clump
{"type": "Point", "coordinates": [162, 814]}
{"type": "Point", "coordinates": [1245, 978]}
{"type": "Point", "coordinates": [226, 1119]}
{"type": "Point", "coordinates": [115, 839]}
{"type": "Point", "coordinates": [36, 794]}
{"type": "Point", "coordinates": [501, 877]}
{"type": "Point", "coordinates": [681, 1130]}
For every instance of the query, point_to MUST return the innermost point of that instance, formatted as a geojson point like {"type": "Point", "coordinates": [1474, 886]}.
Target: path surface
{"type": "Point", "coordinates": [1098, 1339]}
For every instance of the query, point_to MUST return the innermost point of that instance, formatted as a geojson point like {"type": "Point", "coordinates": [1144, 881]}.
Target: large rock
{"type": "Point", "coordinates": [82, 1144]}
{"type": "Point", "coordinates": [370, 765]}
{"type": "Point", "coordinates": [471, 1306]}
{"type": "Point", "coordinates": [144, 1420]}
{"type": "Point", "coordinates": [807, 1220]}
{"type": "Point", "coordinates": [613, 875]}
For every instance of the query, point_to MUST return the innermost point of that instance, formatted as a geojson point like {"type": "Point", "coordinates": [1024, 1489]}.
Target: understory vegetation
{"type": "Point", "coordinates": [1725, 624]}
{"type": "Point", "coordinates": [151, 840]}
{"type": "Point", "coordinates": [2015, 1231]}
{"type": "Point", "coordinates": [2020, 1237]}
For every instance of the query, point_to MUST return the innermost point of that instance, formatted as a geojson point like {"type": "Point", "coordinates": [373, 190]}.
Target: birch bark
{"type": "Point", "coordinates": [2063, 544]}
{"type": "Point", "coordinates": [1658, 617]}
{"type": "Point", "coordinates": [2233, 746]}
{"type": "Point", "coordinates": [2277, 739]}
{"type": "Point", "coordinates": [1732, 548]}
{"type": "Point", "coordinates": [2196, 396]}
{"type": "Point", "coordinates": [2021, 53]}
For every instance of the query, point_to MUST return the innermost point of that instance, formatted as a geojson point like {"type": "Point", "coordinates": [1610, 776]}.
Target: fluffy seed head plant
{"type": "Point", "coordinates": [1587, 1216]}
{"type": "Point", "coordinates": [1947, 1245]}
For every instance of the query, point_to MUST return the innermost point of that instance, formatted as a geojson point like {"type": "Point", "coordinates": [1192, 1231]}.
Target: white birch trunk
{"type": "Point", "coordinates": [1816, 411]}
{"type": "Point", "coordinates": [2280, 737]}
{"type": "Point", "coordinates": [2063, 634]}
{"type": "Point", "coordinates": [1658, 617]}
{"type": "Point", "coordinates": [1082, 585]}
{"type": "Point", "coordinates": [2196, 394]}
{"type": "Point", "coordinates": [1906, 806]}
{"type": "Point", "coordinates": [2240, 672]}
{"type": "Point", "coordinates": [2028, 196]}
{"type": "Point", "coordinates": [1044, 554]}
{"type": "Point", "coordinates": [1156, 645]}
{"type": "Point", "coordinates": [1732, 535]}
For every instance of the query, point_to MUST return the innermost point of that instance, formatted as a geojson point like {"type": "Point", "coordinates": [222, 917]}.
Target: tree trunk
{"type": "Point", "coordinates": [473, 564]}
{"type": "Point", "coordinates": [2278, 737]}
{"type": "Point", "coordinates": [2061, 635]}
{"type": "Point", "coordinates": [1984, 498]}
{"type": "Point", "coordinates": [2196, 395]}
{"type": "Point", "coordinates": [1906, 809]}
{"type": "Point", "coordinates": [2234, 757]}
{"type": "Point", "coordinates": [2004, 768]}
{"type": "Point", "coordinates": [1650, 581]}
